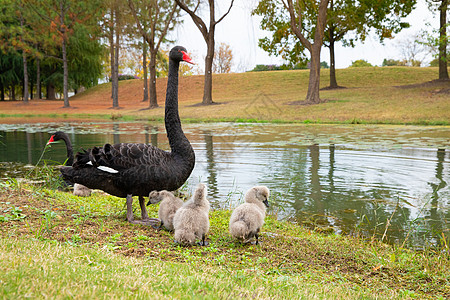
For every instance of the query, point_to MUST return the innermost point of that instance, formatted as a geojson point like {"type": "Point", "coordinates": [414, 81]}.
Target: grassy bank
{"type": "Point", "coordinates": [388, 95]}
{"type": "Point", "coordinates": [57, 245]}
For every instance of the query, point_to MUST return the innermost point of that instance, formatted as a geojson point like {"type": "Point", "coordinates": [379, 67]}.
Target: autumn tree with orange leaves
{"type": "Point", "coordinates": [223, 59]}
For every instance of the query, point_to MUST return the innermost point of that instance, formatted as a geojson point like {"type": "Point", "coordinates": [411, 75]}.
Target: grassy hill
{"type": "Point", "coordinates": [396, 95]}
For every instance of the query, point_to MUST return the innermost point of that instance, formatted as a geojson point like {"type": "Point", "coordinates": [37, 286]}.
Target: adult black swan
{"type": "Point", "coordinates": [78, 189]}
{"type": "Point", "coordinates": [128, 169]}
{"type": "Point", "coordinates": [61, 135]}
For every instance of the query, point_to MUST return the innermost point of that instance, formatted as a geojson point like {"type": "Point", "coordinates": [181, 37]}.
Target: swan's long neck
{"type": "Point", "coordinates": [179, 144]}
{"type": "Point", "coordinates": [69, 149]}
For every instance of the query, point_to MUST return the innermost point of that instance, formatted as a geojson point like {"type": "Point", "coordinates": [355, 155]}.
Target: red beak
{"type": "Point", "coordinates": [51, 140]}
{"type": "Point", "coordinates": [187, 58]}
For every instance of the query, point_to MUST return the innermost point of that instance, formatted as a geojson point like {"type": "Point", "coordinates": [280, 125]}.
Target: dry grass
{"type": "Point", "coordinates": [397, 95]}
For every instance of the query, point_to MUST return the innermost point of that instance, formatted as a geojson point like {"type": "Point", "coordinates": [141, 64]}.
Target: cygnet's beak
{"type": "Point", "coordinates": [266, 202]}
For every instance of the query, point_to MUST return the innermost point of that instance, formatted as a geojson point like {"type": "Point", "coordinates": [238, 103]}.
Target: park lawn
{"type": "Point", "coordinates": [376, 95]}
{"type": "Point", "coordinates": [56, 245]}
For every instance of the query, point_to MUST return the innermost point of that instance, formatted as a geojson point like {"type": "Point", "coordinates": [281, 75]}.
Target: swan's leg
{"type": "Point", "coordinates": [144, 215]}
{"type": "Point", "coordinates": [130, 217]}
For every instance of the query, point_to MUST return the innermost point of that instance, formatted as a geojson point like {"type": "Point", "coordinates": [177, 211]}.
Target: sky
{"type": "Point", "coordinates": [241, 32]}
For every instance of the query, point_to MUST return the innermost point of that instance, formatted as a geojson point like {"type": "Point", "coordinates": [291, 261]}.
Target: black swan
{"type": "Point", "coordinates": [128, 169]}
{"type": "Point", "coordinates": [248, 218]}
{"type": "Point", "coordinates": [78, 189]}
{"type": "Point", "coordinates": [61, 135]}
{"type": "Point", "coordinates": [191, 221]}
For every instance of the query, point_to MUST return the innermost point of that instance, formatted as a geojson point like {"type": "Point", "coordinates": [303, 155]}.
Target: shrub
{"type": "Point", "coordinates": [361, 63]}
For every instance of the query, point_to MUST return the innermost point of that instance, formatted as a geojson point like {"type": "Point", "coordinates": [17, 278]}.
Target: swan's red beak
{"type": "Point", "coordinates": [187, 58]}
{"type": "Point", "coordinates": [51, 140]}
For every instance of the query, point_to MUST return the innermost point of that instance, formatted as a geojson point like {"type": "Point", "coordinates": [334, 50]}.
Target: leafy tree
{"type": "Point", "coordinates": [85, 58]}
{"type": "Point", "coordinates": [60, 19]}
{"type": "Point", "coordinates": [441, 6]}
{"type": "Point", "coordinates": [347, 21]}
{"type": "Point", "coordinates": [17, 35]}
{"type": "Point", "coordinates": [208, 36]}
{"type": "Point", "coordinates": [393, 62]}
{"type": "Point", "coordinates": [223, 59]}
{"type": "Point", "coordinates": [360, 63]}
{"type": "Point", "coordinates": [11, 64]}
{"type": "Point", "coordinates": [360, 17]}
{"type": "Point", "coordinates": [154, 20]}
{"type": "Point", "coordinates": [304, 20]}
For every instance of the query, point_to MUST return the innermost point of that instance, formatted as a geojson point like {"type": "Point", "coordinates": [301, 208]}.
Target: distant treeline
{"type": "Point", "coordinates": [299, 66]}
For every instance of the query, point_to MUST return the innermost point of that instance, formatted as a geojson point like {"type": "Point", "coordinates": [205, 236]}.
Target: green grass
{"type": "Point", "coordinates": [68, 246]}
{"type": "Point", "coordinates": [52, 270]}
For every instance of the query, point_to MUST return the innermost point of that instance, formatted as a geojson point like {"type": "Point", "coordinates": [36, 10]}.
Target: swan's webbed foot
{"type": "Point", "coordinates": [203, 242]}
{"type": "Point", "coordinates": [154, 222]}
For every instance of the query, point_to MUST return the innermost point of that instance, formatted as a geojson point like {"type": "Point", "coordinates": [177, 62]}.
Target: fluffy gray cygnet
{"type": "Point", "coordinates": [191, 221]}
{"type": "Point", "coordinates": [81, 190]}
{"type": "Point", "coordinates": [248, 218]}
{"type": "Point", "coordinates": [167, 208]}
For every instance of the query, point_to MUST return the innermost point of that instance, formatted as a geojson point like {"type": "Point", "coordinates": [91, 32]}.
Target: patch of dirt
{"type": "Point", "coordinates": [329, 88]}
{"type": "Point", "coordinates": [304, 102]}
{"type": "Point", "coordinates": [201, 104]}
{"type": "Point", "coordinates": [440, 84]}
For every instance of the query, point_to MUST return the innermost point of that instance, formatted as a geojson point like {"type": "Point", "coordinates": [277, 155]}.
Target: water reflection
{"type": "Point", "coordinates": [320, 176]}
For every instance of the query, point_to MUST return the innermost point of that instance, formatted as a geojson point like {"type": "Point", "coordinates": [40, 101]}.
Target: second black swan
{"type": "Point", "coordinates": [130, 169]}
{"type": "Point", "coordinates": [78, 189]}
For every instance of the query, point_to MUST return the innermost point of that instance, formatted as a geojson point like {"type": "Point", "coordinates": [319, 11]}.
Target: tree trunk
{"type": "Point", "coordinates": [207, 91]}
{"type": "Point", "coordinates": [314, 76]}
{"type": "Point", "coordinates": [144, 66]}
{"type": "Point", "coordinates": [66, 75]}
{"type": "Point", "coordinates": [38, 79]}
{"type": "Point", "coordinates": [111, 54]}
{"type": "Point", "coordinates": [152, 86]}
{"type": "Point", "coordinates": [2, 92]}
{"type": "Point", "coordinates": [64, 53]}
{"type": "Point", "coordinates": [25, 70]}
{"type": "Point", "coordinates": [51, 95]}
{"type": "Point", "coordinates": [116, 71]}
{"type": "Point", "coordinates": [333, 82]}
{"type": "Point", "coordinates": [25, 78]}
{"type": "Point", "coordinates": [31, 90]}
{"type": "Point", "coordinates": [443, 72]}
{"type": "Point", "coordinates": [13, 93]}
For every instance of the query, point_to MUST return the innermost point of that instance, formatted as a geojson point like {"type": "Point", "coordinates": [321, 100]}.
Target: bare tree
{"type": "Point", "coordinates": [413, 52]}
{"type": "Point", "coordinates": [154, 19]}
{"type": "Point", "coordinates": [208, 35]}
{"type": "Point", "coordinates": [223, 59]}
{"type": "Point", "coordinates": [296, 16]}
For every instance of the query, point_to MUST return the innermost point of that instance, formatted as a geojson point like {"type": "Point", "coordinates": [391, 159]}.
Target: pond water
{"type": "Point", "coordinates": [333, 178]}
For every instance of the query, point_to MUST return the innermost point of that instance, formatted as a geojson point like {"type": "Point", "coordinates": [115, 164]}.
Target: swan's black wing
{"type": "Point", "coordinates": [123, 156]}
